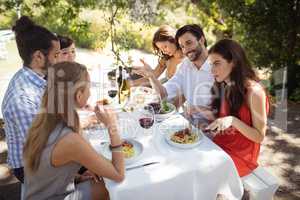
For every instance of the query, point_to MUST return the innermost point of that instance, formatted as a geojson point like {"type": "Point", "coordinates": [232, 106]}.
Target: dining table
{"type": "Point", "coordinates": [163, 171]}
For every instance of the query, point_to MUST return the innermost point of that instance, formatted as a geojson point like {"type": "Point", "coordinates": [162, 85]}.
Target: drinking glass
{"type": "Point", "coordinates": [112, 89]}
{"type": "Point", "coordinates": [146, 117]}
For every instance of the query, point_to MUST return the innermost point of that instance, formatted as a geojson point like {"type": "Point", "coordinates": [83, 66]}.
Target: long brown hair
{"type": "Point", "coordinates": [235, 92]}
{"type": "Point", "coordinates": [163, 34]}
{"type": "Point", "coordinates": [65, 79]}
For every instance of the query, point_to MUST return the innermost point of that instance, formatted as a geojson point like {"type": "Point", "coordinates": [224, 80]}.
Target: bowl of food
{"type": "Point", "coordinates": [132, 150]}
{"type": "Point", "coordinates": [184, 138]}
{"type": "Point", "coordinates": [165, 111]}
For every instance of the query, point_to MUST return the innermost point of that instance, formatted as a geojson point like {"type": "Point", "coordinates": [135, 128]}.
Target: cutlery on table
{"type": "Point", "coordinates": [143, 165]}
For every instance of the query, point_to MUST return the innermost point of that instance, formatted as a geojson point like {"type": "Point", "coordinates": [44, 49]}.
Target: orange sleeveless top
{"type": "Point", "coordinates": [244, 152]}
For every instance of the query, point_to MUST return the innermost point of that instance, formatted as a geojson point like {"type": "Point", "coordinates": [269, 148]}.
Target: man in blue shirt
{"type": "Point", "coordinates": [39, 49]}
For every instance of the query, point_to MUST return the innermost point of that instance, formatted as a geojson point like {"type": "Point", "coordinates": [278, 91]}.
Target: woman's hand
{"type": "Point", "coordinates": [221, 124]}
{"type": "Point", "coordinates": [107, 116]}
{"type": "Point", "coordinates": [145, 70]}
{"type": "Point", "coordinates": [87, 175]}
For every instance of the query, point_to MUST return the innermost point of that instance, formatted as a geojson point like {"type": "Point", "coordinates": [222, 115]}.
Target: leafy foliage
{"type": "Point", "coordinates": [268, 29]}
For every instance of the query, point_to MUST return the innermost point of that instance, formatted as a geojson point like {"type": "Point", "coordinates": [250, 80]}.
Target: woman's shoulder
{"type": "Point", "coordinates": [254, 87]}
{"type": "Point", "coordinates": [71, 139]}
{"type": "Point", "coordinates": [255, 90]}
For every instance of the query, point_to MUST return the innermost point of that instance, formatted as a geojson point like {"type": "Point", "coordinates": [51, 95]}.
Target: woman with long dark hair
{"type": "Point", "coordinates": [240, 105]}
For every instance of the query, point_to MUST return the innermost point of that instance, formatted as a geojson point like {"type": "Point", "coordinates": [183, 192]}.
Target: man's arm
{"type": "Point", "coordinates": [23, 113]}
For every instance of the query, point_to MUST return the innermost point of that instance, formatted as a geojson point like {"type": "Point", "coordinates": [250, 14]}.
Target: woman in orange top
{"type": "Point", "coordinates": [240, 104]}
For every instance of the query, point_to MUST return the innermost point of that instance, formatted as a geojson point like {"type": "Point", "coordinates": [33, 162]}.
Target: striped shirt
{"type": "Point", "coordinates": [20, 104]}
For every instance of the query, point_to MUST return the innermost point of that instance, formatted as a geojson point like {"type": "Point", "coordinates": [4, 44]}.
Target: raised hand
{"type": "Point", "coordinates": [106, 115]}
{"type": "Point", "coordinates": [145, 70]}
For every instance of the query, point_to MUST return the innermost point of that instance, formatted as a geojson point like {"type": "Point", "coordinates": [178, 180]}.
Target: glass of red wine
{"type": "Point", "coordinates": [146, 117]}
{"type": "Point", "coordinates": [112, 89]}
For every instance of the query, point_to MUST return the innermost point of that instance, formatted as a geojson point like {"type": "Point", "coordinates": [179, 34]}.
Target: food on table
{"type": "Point", "coordinates": [165, 107]}
{"type": "Point", "coordinates": [161, 108]}
{"type": "Point", "coordinates": [128, 109]}
{"type": "Point", "coordinates": [102, 102]}
{"type": "Point", "coordinates": [128, 149]}
{"type": "Point", "coordinates": [184, 136]}
{"type": "Point", "coordinates": [156, 107]}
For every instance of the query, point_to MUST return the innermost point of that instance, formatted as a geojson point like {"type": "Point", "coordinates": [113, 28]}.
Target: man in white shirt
{"type": "Point", "coordinates": [193, 79]}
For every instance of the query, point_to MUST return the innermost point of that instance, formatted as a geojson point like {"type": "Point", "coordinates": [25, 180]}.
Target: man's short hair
{"type": "Point", "coordinates": [194, 29]}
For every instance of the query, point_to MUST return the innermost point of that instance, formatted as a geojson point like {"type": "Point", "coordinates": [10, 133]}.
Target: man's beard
{"type": "Point", "coordinates": [46, 66]}
{"type": "Point", "coordinates": [194, 54]}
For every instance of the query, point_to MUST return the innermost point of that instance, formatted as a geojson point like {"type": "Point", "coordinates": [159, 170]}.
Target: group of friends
{"type": "Point", "coordinates": [46, 150]}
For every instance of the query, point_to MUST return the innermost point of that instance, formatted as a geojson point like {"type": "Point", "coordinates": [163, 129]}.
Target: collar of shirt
{"type": "Point", "coordinates": [205, 66]}
{"type": "Point", "coordinates": [34, 77]}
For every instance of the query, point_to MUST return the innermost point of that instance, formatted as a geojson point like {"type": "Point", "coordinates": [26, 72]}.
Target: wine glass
{"type": "Point", "coordinates": [112, 89]}
{"type": "Point", "coordinates": [146, 117]}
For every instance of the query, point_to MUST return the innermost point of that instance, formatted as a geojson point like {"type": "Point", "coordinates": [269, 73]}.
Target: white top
{"type": "Point", "coordinates": [195, 84]}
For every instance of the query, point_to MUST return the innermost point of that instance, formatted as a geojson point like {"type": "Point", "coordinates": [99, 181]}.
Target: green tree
{"type": "Point", "coordinates": [268, 29]}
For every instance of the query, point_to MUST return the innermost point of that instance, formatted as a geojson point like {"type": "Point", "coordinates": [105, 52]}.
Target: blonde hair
{"type": "Point", "coordinates": [65, 80]}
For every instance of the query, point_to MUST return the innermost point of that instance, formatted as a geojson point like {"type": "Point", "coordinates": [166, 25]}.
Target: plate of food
{"type": "Point", "coordinates": [184, 138]}
{"type": "Point", "coordinates": [132, 150]}
{"type": "Point", "coordinates": [163, 110]}
{"type": "Point", "coordinates": [141, 95]}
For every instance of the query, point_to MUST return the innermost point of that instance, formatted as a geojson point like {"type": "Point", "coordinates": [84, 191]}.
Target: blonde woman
{"type": "Point", "coordinates": [55, 150]}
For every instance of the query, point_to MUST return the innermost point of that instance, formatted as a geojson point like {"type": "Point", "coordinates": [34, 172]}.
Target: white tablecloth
{"type": "Point", "coordinates": [192, 174]}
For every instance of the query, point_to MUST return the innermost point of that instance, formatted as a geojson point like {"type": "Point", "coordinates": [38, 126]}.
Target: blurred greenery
{"type": "Point", "coordinates": [267, 29]}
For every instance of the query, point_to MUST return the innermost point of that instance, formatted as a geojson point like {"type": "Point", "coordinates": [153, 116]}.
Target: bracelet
{"type": "Point", "coordinates": [116, 147]}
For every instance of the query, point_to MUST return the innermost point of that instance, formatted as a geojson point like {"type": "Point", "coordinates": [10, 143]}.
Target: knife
{"type": "Point", "coordinates": [143, 165]}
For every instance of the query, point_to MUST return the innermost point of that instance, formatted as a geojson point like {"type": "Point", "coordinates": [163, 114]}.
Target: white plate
{"type": "Point", "coordinates": [138, 150]}
{"type": "Point", "coordinates": [142, 90]}
{"type": "Point", "coordinates": [184, 146]}
{"type": "Point", "coordinates": [161, 117]}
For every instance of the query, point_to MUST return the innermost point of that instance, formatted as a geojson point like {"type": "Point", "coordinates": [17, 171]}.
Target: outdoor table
{"type": "Point", "coordinates": [201, 172]}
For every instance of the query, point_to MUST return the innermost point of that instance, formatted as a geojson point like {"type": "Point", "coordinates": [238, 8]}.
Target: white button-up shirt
{"type": "Point", "coordinates": [195, 84]}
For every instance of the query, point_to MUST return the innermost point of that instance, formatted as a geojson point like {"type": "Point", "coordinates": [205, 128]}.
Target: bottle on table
{"type": "Point", "coordinates": [124, 87]}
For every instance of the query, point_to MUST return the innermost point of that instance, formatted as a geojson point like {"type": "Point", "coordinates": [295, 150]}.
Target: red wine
{"type": "Point", "coordinates": [146, 122]}
{"type": "Point", "coordinates": [112, 93]}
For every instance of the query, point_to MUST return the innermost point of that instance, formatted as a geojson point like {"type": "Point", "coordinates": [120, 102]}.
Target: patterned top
{"type": "Point", "coordinates": [20, 104]}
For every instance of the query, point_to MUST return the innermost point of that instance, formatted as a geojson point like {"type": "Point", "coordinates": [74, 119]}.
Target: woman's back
{"type": "Point", "coordinates": [50, 182]}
